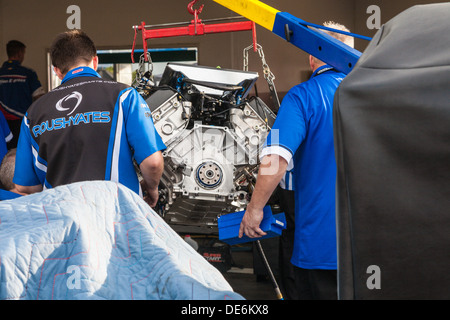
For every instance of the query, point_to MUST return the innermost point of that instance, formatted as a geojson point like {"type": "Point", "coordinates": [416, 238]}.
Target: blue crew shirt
{"type": "Point", "coordinates": [303, 133]}
{"type": "Point", "coordinates": [18, 86]}
{"type": "Point", "coordinates": [8, 195]}
{"type": "Point", "coordinates": [86, 129]}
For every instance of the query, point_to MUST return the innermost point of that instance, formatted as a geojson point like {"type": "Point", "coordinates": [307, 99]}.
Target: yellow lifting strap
{"type": "Point", "coordinates": [254, 10]}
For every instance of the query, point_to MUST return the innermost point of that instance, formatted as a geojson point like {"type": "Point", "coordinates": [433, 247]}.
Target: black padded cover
{"type": "Point", "coordinates": [392, 139]}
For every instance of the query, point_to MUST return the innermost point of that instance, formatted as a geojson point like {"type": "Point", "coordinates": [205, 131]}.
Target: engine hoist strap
{"type": "Point", "coordinates": [254, 10]}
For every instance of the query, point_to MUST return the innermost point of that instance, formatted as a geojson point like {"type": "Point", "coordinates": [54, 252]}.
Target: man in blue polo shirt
{"type": "Point", "coordinates": [7, 191]}
{"type": "Point", "coordinates": [87, 128]}
{"type": "Point", "coordinates": [19, 87]}
{"type": "Point", "coordinates": [303, 132]}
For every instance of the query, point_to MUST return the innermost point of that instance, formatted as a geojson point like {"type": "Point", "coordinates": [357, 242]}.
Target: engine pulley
{"type": "Point", "coordinates": [209, 175]}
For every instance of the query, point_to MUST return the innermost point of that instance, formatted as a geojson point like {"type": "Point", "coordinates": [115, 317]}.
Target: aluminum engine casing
{"type": "Point", "coordinates": [209, 169]}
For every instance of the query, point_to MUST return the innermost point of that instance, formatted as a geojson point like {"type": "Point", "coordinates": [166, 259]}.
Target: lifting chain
{"type": "Point", "coordinates": [268, 75]}
{"type": "Point", "coordinates": [144, 72]}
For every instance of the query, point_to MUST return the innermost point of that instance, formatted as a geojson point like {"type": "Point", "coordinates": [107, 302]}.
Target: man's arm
{"type": "Point", "coordinates": [25, 190]}
{"type": "Point", "coordinates": [28, 178]}
{"type": "Point", "coordinates": [144, 139]}
{"type": "Point", "coordinates": [152, 168]}
{"type": "Point", "coordinates": [271, 170]}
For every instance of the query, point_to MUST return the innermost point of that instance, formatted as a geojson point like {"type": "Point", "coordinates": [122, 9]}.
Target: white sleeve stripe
{"type": "Point", "coordinates": [116, 149]}
{"type": "Point", "coordinates": [287, 178]}
{"type": "Point", "coordinates": [282, 152]}
{"type": "Point", "coordinates": [9, 137]}
{"type": "Point", "coordinates": [25, 120]}
{"type": "Point", "coordinates": [38, 165]}
{"type": "Point", "coordinates": [12, 111]}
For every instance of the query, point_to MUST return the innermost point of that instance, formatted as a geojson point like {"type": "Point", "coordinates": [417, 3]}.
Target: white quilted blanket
{"type": "Point", "coordinates": [98, 240]}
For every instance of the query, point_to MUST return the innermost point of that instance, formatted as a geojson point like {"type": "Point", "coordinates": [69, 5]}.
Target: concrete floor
{"type": "Point", "coordinates": [244, 280]}
{"type": "Point", "coordinates": [248, 275]}
{"type": "Point", "coordinates": [250, 287]}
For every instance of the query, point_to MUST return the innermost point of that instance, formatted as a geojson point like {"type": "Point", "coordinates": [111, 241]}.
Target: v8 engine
{"type": "Point", "coordinates": [213, 132]}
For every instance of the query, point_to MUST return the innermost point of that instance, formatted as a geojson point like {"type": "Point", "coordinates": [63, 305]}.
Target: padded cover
{"type": "Point", "coordinates": [98, 240]}
{"type": "Point", "coordinates": [392, 138]}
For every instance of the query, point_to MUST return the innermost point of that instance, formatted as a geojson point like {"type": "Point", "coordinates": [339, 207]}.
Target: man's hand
{"type": "Point", "coordinates": [151, 197]}
{"type": "Point", "coordinates": [152, 168]}
{"type": "Point", "coordinates": [271, 170]}
{"type": "Point", "coordinates": [26, 190]}
{"type": "Point", "coordinates": [250, 223]}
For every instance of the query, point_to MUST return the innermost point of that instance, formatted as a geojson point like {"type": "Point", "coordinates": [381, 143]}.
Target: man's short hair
{"type": "Point", "coordinates": [70, 49]}
{"type": "Point", "coordinates": [14, 47]}
{"type": "Point", "coordinates": [7, 170]}
{"type": "Point", "coordinates": [348, 40]}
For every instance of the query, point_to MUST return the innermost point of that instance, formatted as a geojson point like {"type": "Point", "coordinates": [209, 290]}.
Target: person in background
{"type": "Point", "coordinates": [19, 87]}
{"type": "Point", "coordinates": [303, 132]}
{"type": "Point", "coordinates": [7, 188]}
{"type": "Point", "coordinates": [5, 136]}
{"type": "Point", "coordinates": [87, 128]}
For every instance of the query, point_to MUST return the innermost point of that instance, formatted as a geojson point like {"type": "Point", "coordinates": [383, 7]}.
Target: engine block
{"type": "Point", "coordinates": [213, 133]}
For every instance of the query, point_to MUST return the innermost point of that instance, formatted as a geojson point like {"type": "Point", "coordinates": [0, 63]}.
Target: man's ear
{"type": "Point", "coordinates": [95, 63]}
{"type": "Point", "coordinates": [58, 72]}
{"type": "Point", "coordinates": [311, 62]}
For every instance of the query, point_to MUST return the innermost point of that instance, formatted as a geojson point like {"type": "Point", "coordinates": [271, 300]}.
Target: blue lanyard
{"type": "Point", "coordinates": [321, 70]}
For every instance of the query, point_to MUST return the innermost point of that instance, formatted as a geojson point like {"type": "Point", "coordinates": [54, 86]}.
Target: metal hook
{"type": "Point", "coordinates": [191, 9]}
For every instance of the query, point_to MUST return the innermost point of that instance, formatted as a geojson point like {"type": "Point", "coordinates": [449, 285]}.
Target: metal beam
{"type": "Point", "coordinates": [301, 34]}
{"type": "Point", "coordinates": [253, 10]}
{"type": "Point", "coordinates": [319, 44]}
